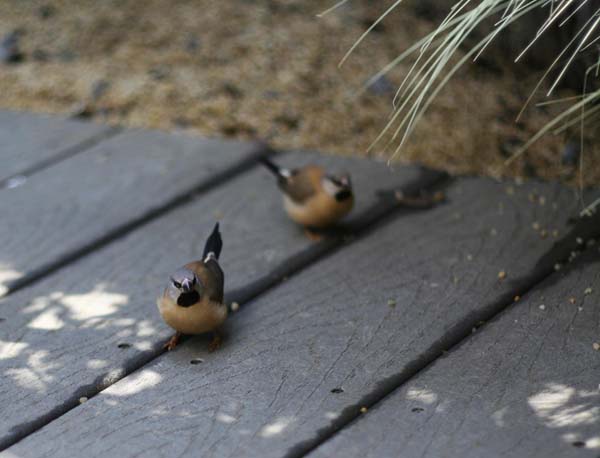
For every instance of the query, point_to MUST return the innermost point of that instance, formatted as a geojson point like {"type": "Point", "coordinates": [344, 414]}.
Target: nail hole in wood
{"type": "Point", "coordinates": [197, 361]}
{"type": "Point", "coordinates": [337, 390]}
{"type": "Point", "coordinates": [124, 345]}
{"type": "Point", "coordinates": [578, 444]}
{"type": "Point", "coordinates": [417, 409]}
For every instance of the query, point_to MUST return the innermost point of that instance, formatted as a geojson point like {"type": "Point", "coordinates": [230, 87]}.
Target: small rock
{"type": "Point", "coordinates": [502, 275]}
{"type": "Point", "coordinates": [158, 73]}
{"type": "Point", "coordinates": [363, 410]}
{"type": "Point", "coordinates": [99, 88]}
{"type": "Point", "coordinates": [10, 52]}
{"type": "Point", "coordinates": [192, 43]}
{"type": "Point", "coordinates": [382, 86]}
{"type": "Point", "coordinates": [542, 307]}
{"type": "Point", "coordinates": [570, 154]}
{"type": "Point", "coordinates": [596, 346]}
{"type": "Point", "coordinates": [517, 298]}
{"type": "Point", "coordinates": [587, 291]}
{"type": "Point", "coordinates": [82, 399]}
{"type": "Point", "coordinates": [46, 11]}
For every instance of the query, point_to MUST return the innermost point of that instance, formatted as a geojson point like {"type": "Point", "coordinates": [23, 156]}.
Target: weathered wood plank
{"type": "Point", "coordinates": [66, 209]}
{"type": "Point", "coordinates": [28, 141]}
{"type": "Point", "coordinates": [60, 337]}
{"type": "Point", "coordinates": [527, 385]}
{"type": "Point", "coordinates": [357, 320]}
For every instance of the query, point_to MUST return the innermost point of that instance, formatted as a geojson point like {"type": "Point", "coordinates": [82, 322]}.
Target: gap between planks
{"type": "Point", "coordinates": [68, 152]}
{"type": "Point", "coordinates": [585, 229]}
{"type": "Point", "coordinates": [125, 228]}
{"type": "Point", "coordinates": [385, 209]}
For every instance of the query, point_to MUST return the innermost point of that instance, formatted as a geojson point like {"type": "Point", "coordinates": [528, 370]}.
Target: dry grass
{"type": "Point", "coordinates": [266, 69]}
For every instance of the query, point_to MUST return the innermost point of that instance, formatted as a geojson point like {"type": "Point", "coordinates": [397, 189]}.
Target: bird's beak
{"type": "Point", "coordinates": [187, 286]}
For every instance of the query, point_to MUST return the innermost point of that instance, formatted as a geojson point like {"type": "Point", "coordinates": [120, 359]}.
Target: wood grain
{"type": "Point", "coordinates": [300, 360]}
{"type": "Point", "coordinates": [60, 338]}
{"type": "Point", "coordinates": [65, 209]}
{"type": "Point", "coordinates": [29, 141]}
{"type": "Point", "coordinates": [525, 385]}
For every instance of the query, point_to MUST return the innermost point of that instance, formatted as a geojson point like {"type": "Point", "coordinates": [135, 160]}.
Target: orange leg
{"type": "Point", "coordinates": [173, 341]}
{"type": "Point", "coordinates": [216, 342]}
{"type": "Point", "coordinates": [313, 235]}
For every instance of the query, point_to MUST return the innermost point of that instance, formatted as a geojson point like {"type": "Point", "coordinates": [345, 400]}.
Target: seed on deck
{"type": "Point", "coordinates": [596, 346]}
{"type": "Point", "coordinates": [588, 291]}
{"type": "Point", "coordinates": [502, 275]}
{"type": "Point", "coordinates": [363, 410]}
{"type": "Point", "coordinates": [82, 399]}
{"type": "Point", "coordinates": [572, 300]}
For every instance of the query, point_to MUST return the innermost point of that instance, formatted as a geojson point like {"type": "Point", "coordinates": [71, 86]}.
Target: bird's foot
{"type": "Point", "coordinates": [313, 235]}
{"type": "Point", "coordinates": [173, 341]}
{"type": "Point", "coordinates": [215, 343]}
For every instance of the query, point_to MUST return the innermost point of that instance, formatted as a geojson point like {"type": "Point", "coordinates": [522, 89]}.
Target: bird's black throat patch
{"type": "Point", "coordinates": [343, 195]}
{"type": "Point", "coordinates": [188, 299]}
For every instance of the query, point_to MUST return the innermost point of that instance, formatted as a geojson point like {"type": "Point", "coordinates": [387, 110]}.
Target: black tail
{"type": "Point", "coordinates": [274, 168]}
{"type": "Point", "coordinates": [214, 243]}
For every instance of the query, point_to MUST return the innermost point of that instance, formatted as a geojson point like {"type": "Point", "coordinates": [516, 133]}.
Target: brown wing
{"type": "Point", "coordinates": [303, 183]}
{"type": "Point", "coordinates": [211, 276]}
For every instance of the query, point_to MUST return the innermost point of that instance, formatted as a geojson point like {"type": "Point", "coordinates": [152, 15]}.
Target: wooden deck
{"type": "Point", "coordinates": [395, 336]}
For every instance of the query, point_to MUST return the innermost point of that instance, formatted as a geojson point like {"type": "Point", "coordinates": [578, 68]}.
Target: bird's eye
{"type": "Point", "coordinates": [176, 284]}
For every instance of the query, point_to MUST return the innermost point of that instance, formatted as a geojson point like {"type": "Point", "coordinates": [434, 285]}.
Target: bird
{"type": "Point", "coordinates": [312, 197]}
{"type": "Point", "coordinates": [192, 301]}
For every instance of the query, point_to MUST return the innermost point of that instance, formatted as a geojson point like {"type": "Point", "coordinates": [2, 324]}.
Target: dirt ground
{"type": "Point", "coordinates": [269, 69]}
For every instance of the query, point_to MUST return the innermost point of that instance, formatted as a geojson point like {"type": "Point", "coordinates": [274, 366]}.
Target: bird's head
{"type": "Point", "coordinates": [338, 187]}
{"type": "Point", "coordinates": [185, 287]}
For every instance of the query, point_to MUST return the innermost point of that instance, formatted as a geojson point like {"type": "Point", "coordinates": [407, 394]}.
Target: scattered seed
{"type": "Point", "coordinates": [572, 300]}
{"type": "Point", "coordinates": [363, 410]}
{"type": "Point", "coordinates": [493, 232]}
{"type": "Point", "coordinates": [542, 307]}
{"type": "Point", "coordinates": [391, 303]}
{"type": "Point", "coordinates": [579, 240]}
{"type": "Point", "coordinates": [544, 233]}
{"type": "Point", "coordinates": [469, 257]}
{"type": "Point", "coordinates": [502, 275]}
{"type": "Point", "coordinates": [580, 309]}
{"type": "Point", "coordinates": [588, 291]}
{"type": "Point", "coordinates": [536, 226]}
{"type": "Point", "coordinates": [542, 200]}
{"type": "Point", "coordinates": [235, 306]}
{"type": "Point", "coordinates": [510, 190]}
{"type": "Point", "coordinates": [557, 266]}
{"type": "Point", "coordinates": [82, 399]}
{"type": "Point", "coordinates": [596, 346]}
{"type": "Point", "coordinates": [517, 298]}
{"type": "Point", "coordinates": [555, 233]}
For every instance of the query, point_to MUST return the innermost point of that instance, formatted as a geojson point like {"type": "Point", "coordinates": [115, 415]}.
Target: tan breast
{"type": "Point", "coordinates": [320, 210]}
{"type": "Point", "coordinates": [202, 317]}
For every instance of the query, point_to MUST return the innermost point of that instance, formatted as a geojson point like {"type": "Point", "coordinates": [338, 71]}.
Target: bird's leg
{"type": "Point", "coordinates": [216, 341]}
{"type": "Point", "coordinates": [173, 341]}
{"type": "Point", "coordinates": [313, 235]}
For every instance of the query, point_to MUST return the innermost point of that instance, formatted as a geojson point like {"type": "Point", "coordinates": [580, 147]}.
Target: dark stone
{"type": "Point", "coordinates": [192, 43]}
{"type": "Point", "coordinates": [10, 52]}
{"type": "Point", "coordinates": [46, 11]}
{"type": "Point", "coordinates": [158, 73]}
{"type": "Point", "coordinates": [99, 88]}
{"type": "Point", "coordinates": [382, 86]}
{"type": "Point", "coordinates": [570, 154]}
